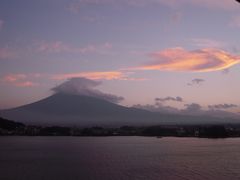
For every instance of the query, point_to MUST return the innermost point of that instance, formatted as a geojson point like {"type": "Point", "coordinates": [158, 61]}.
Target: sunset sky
{"type": "Point", "coordinates": [178, 52]}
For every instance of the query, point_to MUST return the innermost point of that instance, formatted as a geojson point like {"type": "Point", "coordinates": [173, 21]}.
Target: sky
{"type": "Point", "coordinates": [174, 53]}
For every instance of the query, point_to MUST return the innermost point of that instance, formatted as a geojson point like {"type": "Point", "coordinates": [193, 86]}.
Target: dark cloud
{"type": "Point", "coordinates": [86, 87]}
{"type": "Point", "coordinates": [196, 81]}
{"type": "Point", "coordinates": [218, 111]}
{"type": "Point", "coordinates": [158, 108]}
{"type": "Point", "coordinates": [148, 107]}
{"type": "Point", "coordinates": [169, 98]}
{"type": "Point", "coordinates": [222, 106]}
{"type": "Point", "coordinates": [194, 107]}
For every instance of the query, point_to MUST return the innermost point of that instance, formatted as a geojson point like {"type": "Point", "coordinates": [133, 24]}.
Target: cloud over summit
{"type": "Point", "coordinates": [86, 87]}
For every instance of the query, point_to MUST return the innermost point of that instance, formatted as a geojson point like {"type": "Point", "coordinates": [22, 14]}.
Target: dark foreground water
{"type": "Point", "coordinates": [118, 158]}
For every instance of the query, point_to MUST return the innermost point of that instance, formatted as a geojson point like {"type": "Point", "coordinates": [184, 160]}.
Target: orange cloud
{"type": "Point", "coordinates": [202, 60]}
{"type": "Point", "coordinates": [108, 75]}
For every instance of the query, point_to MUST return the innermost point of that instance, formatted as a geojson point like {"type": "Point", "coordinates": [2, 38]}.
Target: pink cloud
{"type": "Point", "coordinates": [14, 77]}
{"type": "Point", "coordinates": [61, 47]}
{"type": "Point", "coordinates": [18, 80]}
{"type": "Point", "coordinates": [26, 84]}
{"type": "Point", "coordinates": [201, 60]}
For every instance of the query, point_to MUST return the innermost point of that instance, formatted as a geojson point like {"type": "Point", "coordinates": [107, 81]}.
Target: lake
{"type": "Point", "coordinates": [118, 158]}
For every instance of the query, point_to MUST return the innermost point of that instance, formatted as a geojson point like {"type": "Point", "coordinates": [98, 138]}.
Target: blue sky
{"type": "Point", "coordinates": [139, 49]}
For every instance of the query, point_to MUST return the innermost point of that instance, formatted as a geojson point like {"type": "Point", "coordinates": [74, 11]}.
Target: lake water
{"type": "Point", "coordinates": [118, 158]}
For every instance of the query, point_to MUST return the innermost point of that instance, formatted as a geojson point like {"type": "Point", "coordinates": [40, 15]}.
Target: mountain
{"type": "Point", "coordinates": [79, 110]}
{"type": "Point", "coordinates": [9, 125]}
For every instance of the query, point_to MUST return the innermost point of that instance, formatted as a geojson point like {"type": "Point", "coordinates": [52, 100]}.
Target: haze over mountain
{"type": "Point", "coordinates": [76, 103]}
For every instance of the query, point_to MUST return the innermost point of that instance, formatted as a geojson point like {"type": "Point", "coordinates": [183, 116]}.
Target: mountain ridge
{"type": "Point", "coordinates": [80, 110]}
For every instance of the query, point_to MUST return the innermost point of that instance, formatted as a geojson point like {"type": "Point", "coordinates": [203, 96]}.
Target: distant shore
{"type": "Point", "coordinates": [11, 128]}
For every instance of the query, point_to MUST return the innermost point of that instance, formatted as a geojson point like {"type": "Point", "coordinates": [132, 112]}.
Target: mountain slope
{"type": "Point", "coordinates": [64, 109]}
{"type": "Point", "coordinates": [75, 110]}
